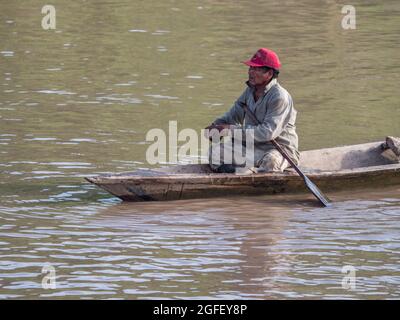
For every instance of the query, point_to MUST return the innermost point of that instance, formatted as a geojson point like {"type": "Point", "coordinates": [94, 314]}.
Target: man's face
{"type": "Point", "coordinates": [259, 77]}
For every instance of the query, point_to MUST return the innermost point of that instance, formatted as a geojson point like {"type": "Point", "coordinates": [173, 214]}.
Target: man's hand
{"type": "Point", "coordinates": [223, 130]}
{"type": "Point", "coordinates": [219, 127]}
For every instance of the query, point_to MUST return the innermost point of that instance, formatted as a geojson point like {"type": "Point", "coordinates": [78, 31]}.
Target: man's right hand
{"type": "Point", "coordinates": [210, 127]}
{"type": "Point", "coordinates": [220, 127]}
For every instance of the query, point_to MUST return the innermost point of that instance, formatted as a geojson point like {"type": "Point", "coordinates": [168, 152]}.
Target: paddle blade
{"type": "Point", "coordinates": [317, 193]}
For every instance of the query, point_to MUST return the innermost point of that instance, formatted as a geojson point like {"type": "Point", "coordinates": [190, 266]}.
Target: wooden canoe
{"type": "Point", "coordinates": [356, 166]}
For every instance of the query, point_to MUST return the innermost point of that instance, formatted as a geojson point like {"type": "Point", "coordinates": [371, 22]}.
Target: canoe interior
{"type": "Point", "coordinates": [328, 159]}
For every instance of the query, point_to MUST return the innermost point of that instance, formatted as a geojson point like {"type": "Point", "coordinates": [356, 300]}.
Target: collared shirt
{"type": "Point", "coordinates": [276, 113]}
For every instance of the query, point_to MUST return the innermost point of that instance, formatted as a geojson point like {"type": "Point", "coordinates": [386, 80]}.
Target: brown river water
{"type": "Point", "coordinates": [78, 101]}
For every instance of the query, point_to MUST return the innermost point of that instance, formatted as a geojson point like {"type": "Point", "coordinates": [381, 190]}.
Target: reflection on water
{"type": "Point", "coordinates": [78, 101]}
{"type": "Point", "coordinates": [262, 247]}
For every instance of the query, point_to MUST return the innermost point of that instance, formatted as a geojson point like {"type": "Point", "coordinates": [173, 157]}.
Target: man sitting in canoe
{"type": "Point", "coordinates": [275, 119]}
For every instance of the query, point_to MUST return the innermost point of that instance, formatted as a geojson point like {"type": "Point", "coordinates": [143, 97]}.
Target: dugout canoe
{"type": "Point", "coordinates": [339, 168]}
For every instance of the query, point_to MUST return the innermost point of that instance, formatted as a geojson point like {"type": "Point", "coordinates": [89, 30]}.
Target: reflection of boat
{"type": "Point", "coordinates": [363, 165]}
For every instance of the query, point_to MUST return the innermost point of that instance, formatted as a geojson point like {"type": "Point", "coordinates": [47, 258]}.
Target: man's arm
{"type": "Point", "coordinates": [235, 115]}
{"type": "Point", "coordinates": [275, 120]}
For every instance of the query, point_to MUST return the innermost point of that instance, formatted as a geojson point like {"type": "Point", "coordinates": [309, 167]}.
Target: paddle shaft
{"type": "Point", "coordinates": [286, 156]}
{"type": "Point", "coordinates": [313, 188]}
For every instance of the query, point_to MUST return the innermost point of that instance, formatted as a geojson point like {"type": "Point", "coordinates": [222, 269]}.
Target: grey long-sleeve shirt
{"type": "Point", "coordinates": [275, 111]}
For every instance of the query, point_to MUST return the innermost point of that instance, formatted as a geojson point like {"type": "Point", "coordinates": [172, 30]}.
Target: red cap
{"type": "Point", "coordinates": [264, 58]}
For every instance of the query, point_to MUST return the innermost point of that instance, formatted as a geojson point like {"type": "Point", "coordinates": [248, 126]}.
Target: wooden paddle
{"type": "Point", "coordinates": [310, 185]}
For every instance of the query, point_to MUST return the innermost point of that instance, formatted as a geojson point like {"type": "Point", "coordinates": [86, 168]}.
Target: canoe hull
{"type": "Point", "coordinates": [339, 168]}
{"type": "Point", "coordinates": [224, 185]}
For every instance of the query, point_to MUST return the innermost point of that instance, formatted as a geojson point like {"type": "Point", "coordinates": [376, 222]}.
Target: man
{"type": "Point", "coordinates": [273, 108]}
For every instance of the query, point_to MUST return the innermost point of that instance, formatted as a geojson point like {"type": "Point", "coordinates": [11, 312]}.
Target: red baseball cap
{"type": "Point", "coordinates": [264, 58]}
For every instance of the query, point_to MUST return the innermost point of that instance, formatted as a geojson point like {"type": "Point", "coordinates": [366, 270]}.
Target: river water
{"type": "Point", "coordinates": [78, 101]}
